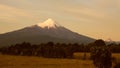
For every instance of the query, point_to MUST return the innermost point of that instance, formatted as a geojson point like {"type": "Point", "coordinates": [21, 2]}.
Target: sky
{"type": "Point", "coordinates": [99, 19]}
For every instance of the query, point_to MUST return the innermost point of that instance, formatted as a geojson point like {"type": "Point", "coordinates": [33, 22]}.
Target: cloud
{"type": "Point", "coordinates": [97, 10]}
{"type": "Point", "coordinates": [9, 13]}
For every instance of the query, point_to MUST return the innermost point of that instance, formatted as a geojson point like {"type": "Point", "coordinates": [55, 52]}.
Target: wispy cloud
{"type": "Point", "coordinates": [97, 10]}
{"type": "Point", "coordinates": [12, 14]}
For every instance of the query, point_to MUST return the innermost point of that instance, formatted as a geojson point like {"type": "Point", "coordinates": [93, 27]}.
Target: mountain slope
{"type": "Point", "coordinates": [42, 33]}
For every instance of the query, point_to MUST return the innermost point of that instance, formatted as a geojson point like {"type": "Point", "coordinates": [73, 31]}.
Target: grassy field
{"type": "Point", "coordinates": [7, 61]}
{"type": "Point", "coordinates": [80, 55]}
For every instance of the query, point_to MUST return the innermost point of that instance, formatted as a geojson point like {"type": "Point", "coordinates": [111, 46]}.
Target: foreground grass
{"type": "Point", "coordinates": [7, 61]}
{"type": "Point", "coordinates": [80, 55]}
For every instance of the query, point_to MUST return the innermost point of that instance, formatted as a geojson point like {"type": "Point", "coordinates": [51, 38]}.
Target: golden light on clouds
{"type": "Point", "coordinates": [10, 13]}
{"type": "Point", "coordinates": [94, 18]}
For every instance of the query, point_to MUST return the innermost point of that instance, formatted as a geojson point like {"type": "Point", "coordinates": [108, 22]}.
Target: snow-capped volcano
{"type": "Point", "coordinates": [50, 23]}
{"type": "Point", "coordinates": [43, 33]}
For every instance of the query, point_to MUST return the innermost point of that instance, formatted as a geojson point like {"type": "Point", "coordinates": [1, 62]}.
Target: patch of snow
{"type": "Point", "coordinates": [48, 23]}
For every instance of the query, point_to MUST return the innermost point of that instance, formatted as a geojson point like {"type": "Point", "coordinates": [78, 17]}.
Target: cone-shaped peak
{"type": "Point", "coordinates": [49, 23]}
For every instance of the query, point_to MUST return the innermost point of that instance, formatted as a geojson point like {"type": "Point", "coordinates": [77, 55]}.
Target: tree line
{"type": "Point", "coordinates": [52, 50]}
{"type": "Point", "coordinates": [49, 50]}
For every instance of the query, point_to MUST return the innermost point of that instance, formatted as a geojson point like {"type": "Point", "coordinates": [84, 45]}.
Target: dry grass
{"type": "Point", "coordinates": [7, 61]}
{"type": "Point", "coordinates": [116, 55]}
{"type": "Point", "coordinates": [80, 55]}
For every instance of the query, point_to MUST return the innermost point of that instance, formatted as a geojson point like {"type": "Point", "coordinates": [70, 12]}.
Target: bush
{"type": "Point", "coordinates": [101, 55]}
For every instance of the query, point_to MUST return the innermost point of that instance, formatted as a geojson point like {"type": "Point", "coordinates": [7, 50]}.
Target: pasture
{"type": "Point", "coordinates": [8, 61]}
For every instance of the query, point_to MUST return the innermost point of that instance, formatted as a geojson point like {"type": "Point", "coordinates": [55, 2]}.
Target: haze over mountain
{"type": "Point", "coordinates": [42, 33]}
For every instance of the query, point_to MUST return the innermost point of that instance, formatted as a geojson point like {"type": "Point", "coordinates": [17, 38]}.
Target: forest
{"type": "Point", "coordinates": [55, 50]}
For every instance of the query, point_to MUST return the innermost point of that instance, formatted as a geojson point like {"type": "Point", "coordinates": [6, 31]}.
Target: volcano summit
{"type": "Point", "coordinates": [42, 33]}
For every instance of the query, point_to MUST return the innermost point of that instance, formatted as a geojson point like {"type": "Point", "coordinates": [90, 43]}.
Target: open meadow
{"type": "Point", "coordinates": [8, 61]}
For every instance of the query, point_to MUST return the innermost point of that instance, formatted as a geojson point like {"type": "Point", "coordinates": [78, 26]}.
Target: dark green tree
{"type": "Point", "coordinates": [101, 55]}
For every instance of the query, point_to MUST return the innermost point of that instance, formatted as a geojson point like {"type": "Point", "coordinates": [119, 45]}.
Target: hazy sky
{"type": "Point", "coordinates": [94, 18]}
